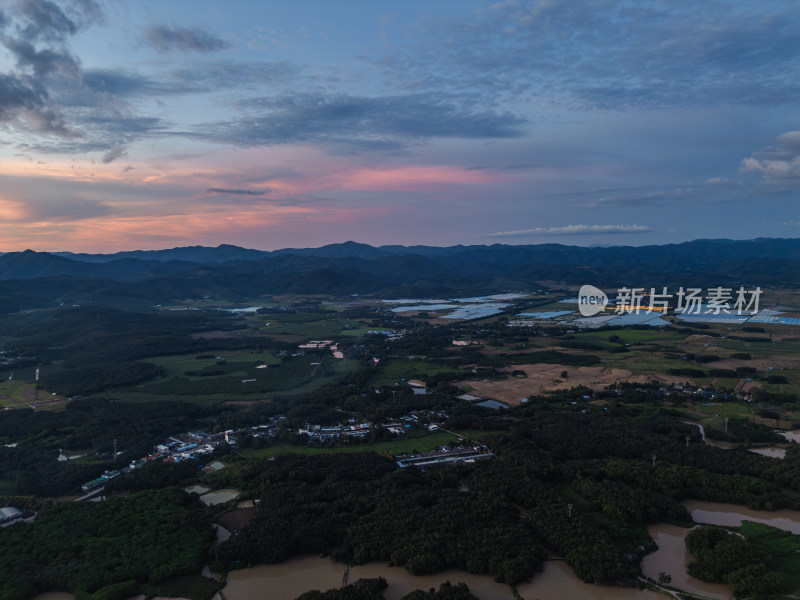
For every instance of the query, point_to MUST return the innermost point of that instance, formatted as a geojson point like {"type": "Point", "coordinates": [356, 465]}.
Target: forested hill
{"type": "Point", "coordinates": [29, 279]}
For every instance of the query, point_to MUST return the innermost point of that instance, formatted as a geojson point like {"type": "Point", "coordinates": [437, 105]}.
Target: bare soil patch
{"type": "Point", "coordinates": [542, 378]}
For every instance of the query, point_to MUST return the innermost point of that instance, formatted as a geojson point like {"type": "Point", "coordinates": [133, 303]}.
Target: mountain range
{"type": "Point", "coordinates": [34, 279]}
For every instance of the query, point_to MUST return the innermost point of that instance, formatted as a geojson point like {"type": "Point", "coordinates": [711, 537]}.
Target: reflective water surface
{"type": "Point", "coordinates": [672, 558]}
{"type": "Point", "coordinates": [770, 451]}
{"type": "Point", "coordinates": [732, 515]}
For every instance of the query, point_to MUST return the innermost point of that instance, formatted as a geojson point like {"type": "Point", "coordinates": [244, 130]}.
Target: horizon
{"type": "Point", "coordinates": [592, 246]}
{"type": "Point", "coordinates": [276, 124]}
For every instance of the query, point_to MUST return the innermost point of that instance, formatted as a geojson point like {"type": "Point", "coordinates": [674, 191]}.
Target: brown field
{"type": "Point", "coordinates": [542, 378]}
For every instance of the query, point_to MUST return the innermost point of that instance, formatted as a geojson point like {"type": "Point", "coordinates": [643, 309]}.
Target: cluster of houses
{"type": "Point", "coordinates": [193, 445]}
{"type": "Point", "coordinates": [445, 455]}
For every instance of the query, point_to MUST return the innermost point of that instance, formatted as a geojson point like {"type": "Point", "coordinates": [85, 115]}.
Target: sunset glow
{"type": "Point", "coordinates": [155, 124]}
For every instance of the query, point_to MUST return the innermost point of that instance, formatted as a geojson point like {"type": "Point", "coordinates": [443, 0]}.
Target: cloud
{"type": "Point", "coordinates": [198, 77]}
{"type": "Point", "coordinates": [45, 19]}
{"type": "Point", "coordinates": [573, 230]}
{"type": "Point", "coordinates": [64, 207]}
{"type": "Point", "coordinates": [609, 54]}
{"type": "Point", "coordinates": [360, 123]}
{"type": "Point", "coordinates": [239, 192]}
{"type": "Point", "coordinates": [114, 153]}
{"type": "Point", "coordinates": [723, 182]}
{"type": "Point", "coordinates": [35, 32]}
{"type": "Point", "coordinates": [18, 94]}
{"type": "Point", "coordinates": [165, 38]}
{"type": "Point", "coordinates": [43, 62]}
{"type": "Point", "coordinates": [778, 164]}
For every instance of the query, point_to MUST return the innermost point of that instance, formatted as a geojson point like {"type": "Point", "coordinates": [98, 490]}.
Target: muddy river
{"type": "Point", "coordinates": [288, 580]}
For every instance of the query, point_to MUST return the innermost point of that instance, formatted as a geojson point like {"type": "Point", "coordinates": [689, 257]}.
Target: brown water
{"type": "Point", "coordinates": [732, 515]}
{"type": "Point", "coordinates": [672, 558]}
{"type": "Point", "coordinates": [290, 579]}
{"type": "Point", "coordinates": [792, 436]}
{"type": "Point", "coordinates": [558, 582]}
{"type": "Point", "coordinates": [770, 451]}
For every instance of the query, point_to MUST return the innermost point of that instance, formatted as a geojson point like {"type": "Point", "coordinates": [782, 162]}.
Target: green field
{"type": "Point", "coordinates": [392, 371]}
{"type": "Point", "coordinates": [306, 325]}
{"type": "Point", "coordinates": [291, 378]}
{"type": "Point", "coordinates": [12, 393]}
{"type": "Point", "coordinates": [176, 365]}
{"type": "Point", "coordinates": [780, 548]}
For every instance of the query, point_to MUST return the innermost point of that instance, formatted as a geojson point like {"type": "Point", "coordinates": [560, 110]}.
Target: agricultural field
{"type": "Point", "coordinates": [26, 394]}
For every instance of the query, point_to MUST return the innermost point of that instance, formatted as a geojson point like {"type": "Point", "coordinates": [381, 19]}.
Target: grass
{"type": "Point", "coordinates": [12, 395]}
{"type": "Point", "coordinates": [176, 365]}
{"type": "Point", "coordinates": [633, 336]}
{"type": "Point", "coordinates": [417, 441]}
{"type": "Point", "coordinates": [781, 550]}
{"type": "Point", "coordinates": [317, 325]}
{"type": "Point", "coordinates": [290, 380]}
{"type": "Point", "coordinates": [394, 370]}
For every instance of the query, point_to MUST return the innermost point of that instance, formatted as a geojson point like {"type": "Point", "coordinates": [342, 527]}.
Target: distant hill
{"type": "Point", "coordinates": [195, 254]}
{"type": "Point", "coordinates": [31, 278]}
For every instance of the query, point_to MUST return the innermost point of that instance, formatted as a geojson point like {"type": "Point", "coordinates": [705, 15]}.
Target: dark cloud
{"type": "Point", "coordinates": [45, 20]}
{"type": "Point", "coordinates": [35, 33]}
{"type": "Point", "coordinates": [199, 77]}
{"type": "Point", "coordinates": [165, 38]}
{"type": "Point", "coordinates": [115, 153]}
{"type": "Point", "coordinates": [100, 134]}
{"type": "Point", "coordinates": [360, 123]}
{"type": "Point", "coordinates": [15, 95]}
{"type": "Point", "coordinates": [43, 62]}
{"type": "Point", "coordinates": [238, 192]}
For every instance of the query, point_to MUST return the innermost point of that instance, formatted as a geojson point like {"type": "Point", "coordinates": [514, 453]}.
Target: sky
{"type": "Point", "coordinates": [297, 123]}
